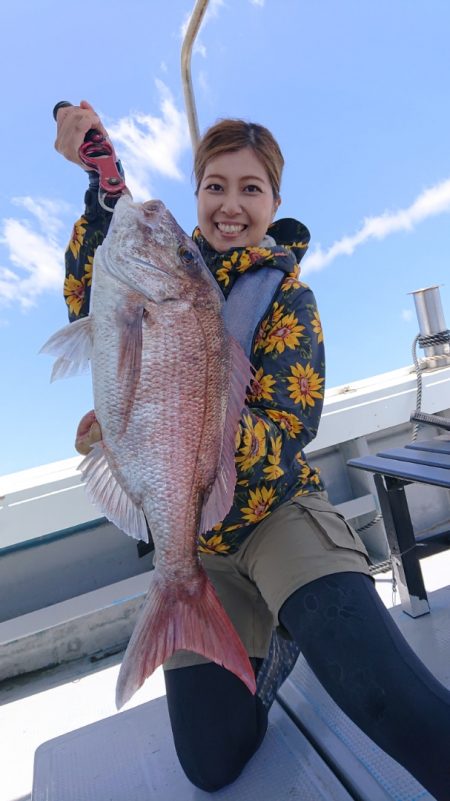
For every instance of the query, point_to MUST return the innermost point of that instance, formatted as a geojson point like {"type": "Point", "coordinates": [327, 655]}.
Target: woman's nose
{"type": "Point", "coordinates": [231, 204]}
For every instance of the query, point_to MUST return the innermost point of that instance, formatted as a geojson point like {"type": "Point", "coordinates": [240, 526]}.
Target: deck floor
{"type": "Point", "coordinates": [37, 708]}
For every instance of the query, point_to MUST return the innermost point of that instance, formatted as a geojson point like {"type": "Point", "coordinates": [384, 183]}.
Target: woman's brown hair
{"type": "Point", "coordinates": [230, 135]}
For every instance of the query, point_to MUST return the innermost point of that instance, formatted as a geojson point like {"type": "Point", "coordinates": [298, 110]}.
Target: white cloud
{"type": "Point", "coordinates": [407, 315]}
{"type": "Point", "coordinates": [259, 3]}
{"type": "Point", "coordinates": [46, 211]}
{"type": "Point", "coordinates": [36, 257]}
{"type": "Point", "coordinates": [429, 203]}
{"type": "Point", "coordinates": [149, 144]}
{"type": "Point", "coordinates": [200, 48]}
{"type": "Point", "coordinates": [213, 8]}
{"type": "Point", "coordinates": [203, 81]}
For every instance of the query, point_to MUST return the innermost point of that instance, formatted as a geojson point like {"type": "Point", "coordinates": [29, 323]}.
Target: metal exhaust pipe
{"type": "Point", "coordinates": [434, 337]}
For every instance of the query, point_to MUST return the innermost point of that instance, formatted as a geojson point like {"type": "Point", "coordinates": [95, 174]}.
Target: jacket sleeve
{"type": "Point", "coordinates": [87, 234]}
{"type": "Point", "coordinates": [285, 401]}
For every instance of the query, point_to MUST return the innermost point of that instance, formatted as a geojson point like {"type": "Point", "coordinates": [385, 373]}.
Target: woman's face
{"type": "Point", "coordinates": [235, 202]}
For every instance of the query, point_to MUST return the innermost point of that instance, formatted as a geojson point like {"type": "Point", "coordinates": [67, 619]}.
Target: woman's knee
{"type": "Point", "coordinates": [214, 775]}
{"type": "Point", "coordinates": [219, 756]}
{"type": "Point", "coordinates": [217, 759]}
{"type": "Point", "coordinates": [217, 724]}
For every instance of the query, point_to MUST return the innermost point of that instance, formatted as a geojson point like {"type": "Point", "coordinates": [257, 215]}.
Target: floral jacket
{"type": "Point", "coordinates": [284, 402]}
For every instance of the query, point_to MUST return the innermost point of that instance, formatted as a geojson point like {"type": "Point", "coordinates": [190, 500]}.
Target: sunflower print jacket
{"type": "Point", "coordinates": [284, 402]}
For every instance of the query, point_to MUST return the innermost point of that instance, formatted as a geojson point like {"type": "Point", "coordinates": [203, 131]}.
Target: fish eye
{"type": "Point", "coordinates": [186, 255]}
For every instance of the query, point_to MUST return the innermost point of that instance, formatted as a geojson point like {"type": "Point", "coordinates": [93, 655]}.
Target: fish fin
{"type": "Point", "coordinates": [219, 500]}
{"type": "Point", "coordinates": [130, 355]}
{"type": "Point", "coordinates": [104, 490]}
{"type": "Point", "coordinates": [73, 347]}
{"type": "Point", "coordinates": [172, 620]}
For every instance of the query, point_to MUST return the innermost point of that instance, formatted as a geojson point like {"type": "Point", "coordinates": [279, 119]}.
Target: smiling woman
{"type": "Point", "coordinates": [281, 555]}
{"type": "Point", "coordinates": [235, 202]}
{"type": "Point", "coordinates": [238, 167]}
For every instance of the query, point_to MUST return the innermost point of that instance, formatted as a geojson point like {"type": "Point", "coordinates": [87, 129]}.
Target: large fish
{"type": "Point", "coordinates": [169, 385]}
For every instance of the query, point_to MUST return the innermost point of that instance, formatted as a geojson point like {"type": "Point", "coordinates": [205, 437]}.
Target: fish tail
{"type": "Point", "coordinates": [176, 620]}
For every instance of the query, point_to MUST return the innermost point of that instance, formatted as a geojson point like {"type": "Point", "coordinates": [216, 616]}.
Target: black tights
{"type": "Point", "coordinates": [358, 654]}
{"type": "Point", "coordinates": [217, 723]}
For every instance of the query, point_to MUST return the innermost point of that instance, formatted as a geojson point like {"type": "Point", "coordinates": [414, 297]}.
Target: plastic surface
{"type": "Point", "coordinates": [131, 757]}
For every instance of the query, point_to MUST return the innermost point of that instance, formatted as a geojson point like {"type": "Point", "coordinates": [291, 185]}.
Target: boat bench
{"type": "Point", "coordinates": [425, 462]}
{"type": "Point", "coordinates": [312, 751]}
{"type": "Point", "coordinates": [131, 757]}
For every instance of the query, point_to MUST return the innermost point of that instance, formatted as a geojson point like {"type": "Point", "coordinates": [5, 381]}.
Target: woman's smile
{"type": "Point", "coordinates": [230, 228]}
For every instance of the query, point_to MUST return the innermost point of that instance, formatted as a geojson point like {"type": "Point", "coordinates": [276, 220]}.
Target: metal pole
{"type": "Point", "coordinates": [432, 322]}
{"type": "Point", "coordinates": [186, 52]}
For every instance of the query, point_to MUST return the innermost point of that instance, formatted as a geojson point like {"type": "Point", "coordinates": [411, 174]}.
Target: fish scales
{"type": "Point", "coordinates": [169, 385]}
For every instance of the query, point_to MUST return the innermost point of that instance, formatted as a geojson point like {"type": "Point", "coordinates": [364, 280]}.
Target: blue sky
{"type": "Point", "coordinates": [356, 92]}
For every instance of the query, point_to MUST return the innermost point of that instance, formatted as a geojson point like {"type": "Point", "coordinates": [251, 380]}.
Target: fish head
{"type": "Point", "coordinates": [147, 250]}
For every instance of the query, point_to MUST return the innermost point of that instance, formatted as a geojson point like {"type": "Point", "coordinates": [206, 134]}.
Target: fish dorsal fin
{"type": "Point", "coordinates": [219, 501]}
{"type": "Point", "coordinates": [72, 345]}
{"type": "Point", "coordinates": [105, 491]}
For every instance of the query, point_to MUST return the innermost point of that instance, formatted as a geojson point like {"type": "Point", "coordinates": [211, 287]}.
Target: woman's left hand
{"type": "Point", "coordinates": [88, 433]}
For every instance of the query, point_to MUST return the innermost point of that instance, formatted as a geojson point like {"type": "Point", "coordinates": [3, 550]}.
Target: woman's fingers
{"type": "Point", "coordinates": [88, 433]}
{"type": "Point", "coordinates": [73, 123]}
{"type": "Point", "coordinates": [98, 125]}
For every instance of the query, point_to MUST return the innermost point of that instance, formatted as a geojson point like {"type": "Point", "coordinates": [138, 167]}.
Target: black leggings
{"type": "Point", "coordinates": [358, 654]}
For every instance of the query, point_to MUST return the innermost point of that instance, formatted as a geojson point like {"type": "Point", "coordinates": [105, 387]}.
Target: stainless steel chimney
{"type": "Point", "coordinates": [434, 336]}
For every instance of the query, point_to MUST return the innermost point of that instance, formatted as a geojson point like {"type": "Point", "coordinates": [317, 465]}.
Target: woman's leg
{"type": "Point", "coordinates": [217, 723]}
{"type": "Point", "coordinates": [363, 661]}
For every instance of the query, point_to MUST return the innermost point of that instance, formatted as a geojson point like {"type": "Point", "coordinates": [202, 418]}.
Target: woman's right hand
{"type": "Point", "coordinates": [88, 433]}
{"type": "Point", "coordinates": [73, 123]}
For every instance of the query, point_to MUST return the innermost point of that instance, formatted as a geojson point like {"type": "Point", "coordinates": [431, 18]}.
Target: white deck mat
{"type": "Point", "coordinates": [130, 757]}
{"type": "Point", "coordinates": [367, 770]}
{"type": "Point", "coordinates": [379, 777]}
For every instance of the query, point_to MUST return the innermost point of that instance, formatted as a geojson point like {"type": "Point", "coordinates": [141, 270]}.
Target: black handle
{"type": "Point", "coordinates": [61, 104]}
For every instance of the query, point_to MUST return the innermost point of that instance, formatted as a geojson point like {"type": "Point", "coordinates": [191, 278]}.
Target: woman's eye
{"type": "Point", "coordinates": [251, 188]}
{"type": "Point", "coordinates": [186, 255]}
{"type": "Point", "coordinates": [214, 187]}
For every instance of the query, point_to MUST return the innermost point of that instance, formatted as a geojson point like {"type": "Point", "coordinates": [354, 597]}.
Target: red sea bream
{"type": "Point", "coordinates": [169, 386]}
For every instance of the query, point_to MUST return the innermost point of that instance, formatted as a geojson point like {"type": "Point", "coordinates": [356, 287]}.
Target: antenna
{"type": "Point", "coordinates": [186, 52]}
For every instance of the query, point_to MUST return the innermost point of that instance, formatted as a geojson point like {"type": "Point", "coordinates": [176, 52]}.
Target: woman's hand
{"type": "Point", "coordinates": [73, 123]}
{"type": "Point", "coordinates": [88, 433]}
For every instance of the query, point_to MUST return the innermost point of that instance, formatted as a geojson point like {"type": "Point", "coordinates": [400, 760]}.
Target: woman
{"type": "Point", "coordinates": [291, 573]}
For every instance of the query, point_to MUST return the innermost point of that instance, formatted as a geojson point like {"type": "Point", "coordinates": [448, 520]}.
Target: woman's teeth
{"type": "Point", "coordinates": [227, 228]}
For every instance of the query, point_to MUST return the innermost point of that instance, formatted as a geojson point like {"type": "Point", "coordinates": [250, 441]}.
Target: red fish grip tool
{"type": "Point", "coordinates": [97, 153]}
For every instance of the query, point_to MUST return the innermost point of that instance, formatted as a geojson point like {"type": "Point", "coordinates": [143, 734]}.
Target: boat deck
{"type": "Point", "coordinates": [71, 585]}
{"type": "Point", "coordinates": [37, 708]}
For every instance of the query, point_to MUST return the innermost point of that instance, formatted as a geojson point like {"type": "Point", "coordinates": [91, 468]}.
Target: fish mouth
{"type": "Point", "coordinates": [149, 215]}
{"type": "Point", "coordinates": [154, 205]}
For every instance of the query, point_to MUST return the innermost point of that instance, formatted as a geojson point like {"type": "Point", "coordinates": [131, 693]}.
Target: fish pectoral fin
{"type": "Point", "coordinates": [104, 490]}
{"type": "Point", "coordinates": [219, 500]}
{"type": "Point", "coordinates": [130, 344]}
{"type": "Point", "coordinates": [72, 345]}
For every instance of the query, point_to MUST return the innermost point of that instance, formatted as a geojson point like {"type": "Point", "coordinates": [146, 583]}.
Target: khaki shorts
{"type": "Point", "coordinates": [302, 540]}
